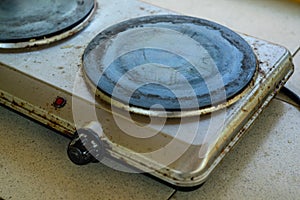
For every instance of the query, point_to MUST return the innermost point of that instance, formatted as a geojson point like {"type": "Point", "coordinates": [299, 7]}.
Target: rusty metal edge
{"type": "Point", "coordinates": [36, 113]}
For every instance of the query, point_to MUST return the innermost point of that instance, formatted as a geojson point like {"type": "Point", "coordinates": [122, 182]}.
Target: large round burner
{"type": "Point", "coordinates": [175, 64]}
{"type": "Point", "coordinates": [31, 22]}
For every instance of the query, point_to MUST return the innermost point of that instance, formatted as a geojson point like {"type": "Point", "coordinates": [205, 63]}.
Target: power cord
{"type": "Point", "coordinates": [290, 94]}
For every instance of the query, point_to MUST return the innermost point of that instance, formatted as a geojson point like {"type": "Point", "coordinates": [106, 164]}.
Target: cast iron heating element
{"type": "Point", "coordinates": [34, 22]}
{"type": "Point", "coordinates": [152, 91]}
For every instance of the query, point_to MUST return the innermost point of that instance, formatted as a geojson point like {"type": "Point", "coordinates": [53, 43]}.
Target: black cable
{"type": "Point", "coordinates": [172, 195]}
{"type": "Point", "coordinates": [289, 93]}
{"type": "Point", "coordinates": [296, 52]}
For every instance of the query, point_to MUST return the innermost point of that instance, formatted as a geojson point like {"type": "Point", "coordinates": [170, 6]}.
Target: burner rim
{"type": "Point", "coordinates": [115, 102]}
{"type": "Point", "coordinates": [52, 37]}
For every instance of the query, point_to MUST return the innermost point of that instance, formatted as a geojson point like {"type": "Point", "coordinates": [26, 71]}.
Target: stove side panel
{"type": "Point", "coordinates": [36, 99]}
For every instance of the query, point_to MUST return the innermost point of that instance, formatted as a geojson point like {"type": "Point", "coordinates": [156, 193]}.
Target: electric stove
{"type": "Point", "coordinates": [165, 94]}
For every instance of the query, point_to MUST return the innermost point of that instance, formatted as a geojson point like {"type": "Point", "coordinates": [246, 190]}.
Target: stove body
{"type": "Point", "coordinates": [47, 85]}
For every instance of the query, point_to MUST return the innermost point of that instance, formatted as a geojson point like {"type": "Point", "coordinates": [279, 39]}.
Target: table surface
{"type": "Point", "coordinates": [264, 165]}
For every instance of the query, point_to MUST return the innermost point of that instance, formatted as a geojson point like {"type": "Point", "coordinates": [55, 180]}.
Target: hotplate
{"type": "Point", "coordinates": [136, 87]}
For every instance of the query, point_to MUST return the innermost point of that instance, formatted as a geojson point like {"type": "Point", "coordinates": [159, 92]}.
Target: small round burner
{"type": "Point", "coordinates": [35, 22]}
{"type": "Point", "coordinates": [167, 63]}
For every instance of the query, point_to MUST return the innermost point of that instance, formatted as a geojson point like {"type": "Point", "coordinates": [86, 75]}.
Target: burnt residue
{"type": "Point", "coordinates": [192, 27]}
{"type": "Point", "coordinates": [20, 21]}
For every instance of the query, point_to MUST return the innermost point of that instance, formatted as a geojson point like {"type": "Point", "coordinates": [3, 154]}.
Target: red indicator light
{"type": "Point", "coordinates": [60, 102]}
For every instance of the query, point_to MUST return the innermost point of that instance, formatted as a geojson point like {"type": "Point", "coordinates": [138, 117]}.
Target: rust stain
{"type": "Point", "coordinates": [53, 122]}
{"type": "Point", "coordinates": [66, 47]}
{"type": "Point", "coordinates": [60, 68]}
{"type": "Point", "coordinates": [244, 110]}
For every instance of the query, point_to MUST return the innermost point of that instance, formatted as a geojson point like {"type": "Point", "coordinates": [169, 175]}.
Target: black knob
{"type": "Point", "coordinates": [86, 147]}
